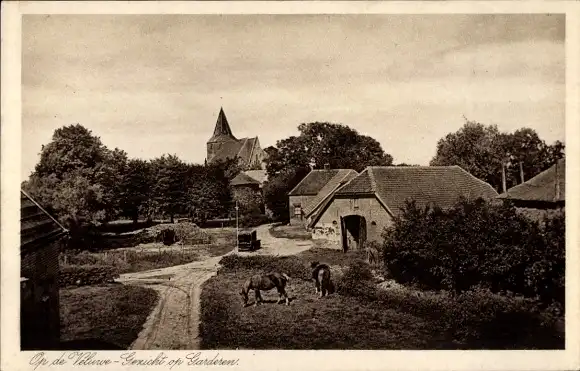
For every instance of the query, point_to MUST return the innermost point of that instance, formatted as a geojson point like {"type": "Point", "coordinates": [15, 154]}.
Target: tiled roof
{"type": "Point", "coordinates": [361, 184]}
{"type": "Point", "coordinates": [313, 182]}
{"type": "Point", "coordinates": [229, 149]}
{"type": "Point", "coordinates": [260, 175]}
{"type": "Point", "coordinates": [243, 179]}
{"type": "Point", "coordinates": [434, 185]}
{"type": "Point", "coordinates": [241, 147]}
{"type": "Point", "coordinates": [341, 178]}
{"type": "Point", "coordinates": [37, 226]}
{"type": "Point", "coordinates": [247, 148]}
{"type": "Point", "coordinates": [542, 187]}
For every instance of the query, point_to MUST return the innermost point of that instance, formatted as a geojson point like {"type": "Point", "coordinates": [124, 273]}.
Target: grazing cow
{"type": "Point", "coordinates": [321, 278]}
{"type": "Point", "coordinates": [265, 282]}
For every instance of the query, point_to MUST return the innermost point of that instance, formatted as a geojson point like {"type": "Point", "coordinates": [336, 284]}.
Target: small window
{"type": "Point", "coordinates": [334, 222]}
{"type": "Point", "coordinates": [297, 211]}
{"type": "Point", "coordinates": [373, 223]}
{"type": "Point", "coordinates": [355, 203]}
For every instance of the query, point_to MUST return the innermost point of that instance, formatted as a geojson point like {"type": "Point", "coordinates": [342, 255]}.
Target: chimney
{"type": "Point", "coordinates": [522, 171]}
{"type": "Point", "coordinates": [326, 166]}
{"type": "Point", "coordinates": [503, 176]}
{"type": "Point", "coordinates": [557, 196]}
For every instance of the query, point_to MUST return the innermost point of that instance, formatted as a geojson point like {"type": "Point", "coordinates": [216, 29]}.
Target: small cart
{"type": "Point", "coordinates": [247, 241]}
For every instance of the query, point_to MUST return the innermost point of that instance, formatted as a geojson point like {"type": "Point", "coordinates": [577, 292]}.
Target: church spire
{"type": "Point", "coordinates": [222, 128]}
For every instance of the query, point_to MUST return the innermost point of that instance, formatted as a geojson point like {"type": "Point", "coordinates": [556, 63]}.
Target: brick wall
{"type": "Point", "coordinates": [328, 226]}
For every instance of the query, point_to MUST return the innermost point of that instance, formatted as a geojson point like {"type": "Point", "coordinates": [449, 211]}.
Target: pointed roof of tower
{"type": "Point", "coordinates": [222, 129]}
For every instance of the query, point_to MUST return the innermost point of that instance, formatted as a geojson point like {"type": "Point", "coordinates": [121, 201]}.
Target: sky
{"type": "Point", "coordinates": [154, 84]}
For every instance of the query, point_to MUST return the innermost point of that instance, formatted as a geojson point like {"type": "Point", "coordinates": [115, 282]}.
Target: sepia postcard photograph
{"type": "Point", "coordinates": [212, 184]}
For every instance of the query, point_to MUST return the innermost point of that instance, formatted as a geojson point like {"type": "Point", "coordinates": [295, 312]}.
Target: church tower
{"type": "Point", "coordinates": [221, 134]}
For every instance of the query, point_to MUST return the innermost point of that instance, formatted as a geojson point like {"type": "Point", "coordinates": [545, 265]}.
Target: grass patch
{"type": "Point", "coordinates": [331, 256]}
{"type": "Point", "coordinates": [131, 261]}
{"type": "Point", "coordinates": [291, 265]}
{"type": "Point", "coordinates": [334, 322]}
{"type": "Point", "coordinates": [151, 256]}
{"type": "Point", "coordinates": [106, 314]}
{"type": "Point", "coordinates": [294, 232]}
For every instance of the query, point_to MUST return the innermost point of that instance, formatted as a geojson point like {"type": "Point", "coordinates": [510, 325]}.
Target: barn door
{"type": "Point", "coordinates": [362, 232]}
{"type": "Point", "coordinates": [343, 234]}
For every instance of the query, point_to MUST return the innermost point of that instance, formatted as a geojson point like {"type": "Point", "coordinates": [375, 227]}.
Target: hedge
{"type": "Point", "coordinates": [82, 275]}
{"type": "Point", "coordinates": [474, 244]}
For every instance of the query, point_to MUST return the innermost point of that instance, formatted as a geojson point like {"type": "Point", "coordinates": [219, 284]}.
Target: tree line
{"type": "Point", "coordinates": [83, 182]}
{"type": "Point", "coordinates": [483, 150]}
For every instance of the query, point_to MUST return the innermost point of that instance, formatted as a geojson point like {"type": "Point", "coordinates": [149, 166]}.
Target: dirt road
{"type": "Point", "coordinates": [174, 323]}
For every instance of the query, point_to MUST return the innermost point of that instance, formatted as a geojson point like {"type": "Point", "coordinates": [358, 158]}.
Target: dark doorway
{"type": "Point", "coordinates": [353, 232]}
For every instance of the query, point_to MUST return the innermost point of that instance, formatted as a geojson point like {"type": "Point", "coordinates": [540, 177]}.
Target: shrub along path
{"type": "Point", "coordinates": [174, 323]}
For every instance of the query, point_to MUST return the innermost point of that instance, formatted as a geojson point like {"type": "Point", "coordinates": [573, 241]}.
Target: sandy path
{"type": "Point", "coordinates": [174, 323]}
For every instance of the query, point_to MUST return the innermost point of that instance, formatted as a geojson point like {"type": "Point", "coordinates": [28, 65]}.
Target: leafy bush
{"type": "Point", "coordinates": [291, 265]}
{"type": "Point", "coordinates": [357, 281]}
{"type": "Point", "coordinates": [480, 319]}
{"type": "Point", "coordinates": [476, 243]}
{"type": "Point", "coordinates": [81, 275]}
{"type": "Point", "coordinates": [544, 275]}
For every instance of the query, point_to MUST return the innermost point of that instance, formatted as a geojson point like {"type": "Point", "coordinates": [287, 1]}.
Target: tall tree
{"type": "Point", "coordinates": [321, 143]}
{"type": "Point", "coordinates": [72, 147]}
{"type": "Point", "coordinates": [483, 150]}
{"type": "Point", "coordinates": [209, 195]}
{"type": "Point", "coordinates": [169, 191]}
{"type": "Point", "coordinates": [76, 176]}
{"type": "Point", "coordinates": [135, 189]}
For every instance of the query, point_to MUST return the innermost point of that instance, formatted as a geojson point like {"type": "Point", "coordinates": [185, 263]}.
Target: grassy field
{"type": "Point", "coordinates": [154, 255]}
{"type": "Point", "coordinates": [138, 261]}
{"type": "Point", "coordinates": [289, 231]}
{"type": "Point", "coordinates": [103, 317]}
{"type": "Point", "coordinates": [360, 315]}
{"type": "Point", "coordinates": [333, 322]}
{"type": "Point", "coordinates": [310, 322]}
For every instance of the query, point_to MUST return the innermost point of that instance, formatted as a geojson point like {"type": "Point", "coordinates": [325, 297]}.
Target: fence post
{"type": "Point", "coordinates": [125, 255]}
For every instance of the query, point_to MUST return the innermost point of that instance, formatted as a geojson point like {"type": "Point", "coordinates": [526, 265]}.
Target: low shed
{"type": "Point", "coordinates": [40, 237]}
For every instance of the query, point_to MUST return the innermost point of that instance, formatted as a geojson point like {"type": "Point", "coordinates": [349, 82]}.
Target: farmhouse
{"type": "Point", "coordinates": [360, 210]}
{"type": "Point", "coordinates": [308, 195]}
{"type": "Point", "coordinates": [541, 195]}
{"type": "Point", "coordinates": [40, 235]}
{"type": "Point", "coordinates": [223, 145]}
